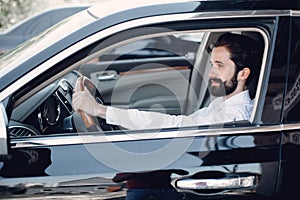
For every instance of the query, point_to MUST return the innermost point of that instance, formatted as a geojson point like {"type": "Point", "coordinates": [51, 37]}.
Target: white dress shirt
{"type": "Point", "coordinates": [235, 108]}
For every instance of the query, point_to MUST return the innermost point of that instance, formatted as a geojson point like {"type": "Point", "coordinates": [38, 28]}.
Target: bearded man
{"type": "Point", "coordinates": [235, 61]}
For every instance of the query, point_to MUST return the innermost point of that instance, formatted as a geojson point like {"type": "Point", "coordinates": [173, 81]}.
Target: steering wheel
{"type": "Point", "coordinates": [92, 123]}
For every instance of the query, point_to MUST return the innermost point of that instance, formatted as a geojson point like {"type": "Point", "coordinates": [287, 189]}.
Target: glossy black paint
{"type": "Point", "coordinates": [234, 154]}
{"type": "Point", "coordinates": [271, 155]}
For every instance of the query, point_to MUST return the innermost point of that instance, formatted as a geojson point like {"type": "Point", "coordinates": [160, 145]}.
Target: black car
{"type": "Point", "coordinates": [151, 56]}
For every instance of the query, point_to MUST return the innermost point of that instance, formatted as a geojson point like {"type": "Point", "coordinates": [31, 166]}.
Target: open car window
{"type": "Point", "coordinates": [161, 73]}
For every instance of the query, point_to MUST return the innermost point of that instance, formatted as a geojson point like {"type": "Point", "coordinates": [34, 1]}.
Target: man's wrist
{"type": "Point", "coordinates": [102, 111]}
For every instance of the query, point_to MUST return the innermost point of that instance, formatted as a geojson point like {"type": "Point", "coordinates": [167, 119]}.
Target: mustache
{"type": "Point", "coordinates": [217, 80]}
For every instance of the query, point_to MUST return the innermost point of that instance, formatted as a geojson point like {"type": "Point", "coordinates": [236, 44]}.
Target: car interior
{"type": "Point", "coordinates": [164, 72]}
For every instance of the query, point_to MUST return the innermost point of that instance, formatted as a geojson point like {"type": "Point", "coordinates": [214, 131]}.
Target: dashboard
{"type": "Point", "coordinates": [47, 112]}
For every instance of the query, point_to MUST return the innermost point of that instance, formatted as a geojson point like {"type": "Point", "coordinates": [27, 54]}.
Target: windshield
{"type": "Point", "coordinates": [33, 46]}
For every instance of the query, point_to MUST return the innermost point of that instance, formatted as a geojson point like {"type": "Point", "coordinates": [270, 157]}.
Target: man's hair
{"type": "Point", "coordinates": [244, 52]}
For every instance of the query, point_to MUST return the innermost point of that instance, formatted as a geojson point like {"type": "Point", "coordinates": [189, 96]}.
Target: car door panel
{"type": "Point", "coordinates": [215, 153]}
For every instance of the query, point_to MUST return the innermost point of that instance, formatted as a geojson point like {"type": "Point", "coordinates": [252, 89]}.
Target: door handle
{"type": "Point", "coordinates": [232, 181]}
{"type": "Point", "coordinates": [107, 75]}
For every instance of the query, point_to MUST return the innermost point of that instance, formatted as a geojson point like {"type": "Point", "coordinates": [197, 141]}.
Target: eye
{"type": "Point", "coordinates": [220, 65]}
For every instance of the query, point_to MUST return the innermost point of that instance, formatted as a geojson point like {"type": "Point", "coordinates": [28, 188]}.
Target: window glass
{"type": "Point", "coordinates": [165, 74]}
{"type": "Point", "coordinates": [276, 84]}
{"type": "Point", "coordinates": [291, 103]}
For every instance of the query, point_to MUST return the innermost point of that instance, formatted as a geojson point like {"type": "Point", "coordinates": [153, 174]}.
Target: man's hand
{"type": "Point", "coordinates": [84, 101]}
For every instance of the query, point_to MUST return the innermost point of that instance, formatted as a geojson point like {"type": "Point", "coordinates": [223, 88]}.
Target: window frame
{"type": "Point", "coordinates": [91, 40]}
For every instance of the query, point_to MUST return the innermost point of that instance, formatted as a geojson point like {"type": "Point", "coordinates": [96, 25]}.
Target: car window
{"type": "Point", "coordinates": [146, 72]}
{"type": "Point", "coordinates": [162, 73]}
{"type": "Point", "coordinates": [291, 101]}
{"type": "Point", "coordinates": [272, 110]}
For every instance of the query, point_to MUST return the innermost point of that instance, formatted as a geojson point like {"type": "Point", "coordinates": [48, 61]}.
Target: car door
{"type": "Point", "coordinates": [290, 138]}
{"type": "Point", "coordinates": [234, 160]}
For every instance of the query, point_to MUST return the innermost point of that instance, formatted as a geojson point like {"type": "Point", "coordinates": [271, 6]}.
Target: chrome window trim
{"type": "Point", "coordinates": [3, 131]}
{"type": "Point", "coordinates": [296, 13]}
{"type": "Point", "coordinates": [90, 138]}
{"type": "Point", "coordinates": [291, 127]}
{"type": "Point", "coordinates": [243, 14]}
{"type": "Point", "coordinates": [263, 65]}
{"type": "Point", "coordinates": [261, 77]}
{"type": "Point", "coordinates": [131, 24]}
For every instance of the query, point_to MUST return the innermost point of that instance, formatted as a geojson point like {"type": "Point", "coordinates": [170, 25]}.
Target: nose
{"type": "Point", "coordinates": [213, 72]}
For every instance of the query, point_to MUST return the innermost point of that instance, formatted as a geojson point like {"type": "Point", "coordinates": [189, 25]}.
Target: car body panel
{"type": "Point", "coordinates": [81, 162]}
{"type": "Point", "coordinates": [222, 153]}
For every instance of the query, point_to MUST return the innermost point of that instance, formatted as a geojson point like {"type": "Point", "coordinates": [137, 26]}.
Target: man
{"type": "Point", "coordinates": [235, 60]}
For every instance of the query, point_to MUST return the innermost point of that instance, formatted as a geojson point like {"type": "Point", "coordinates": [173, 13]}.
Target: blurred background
{"type": "Point", "coordinates": [14, 11]}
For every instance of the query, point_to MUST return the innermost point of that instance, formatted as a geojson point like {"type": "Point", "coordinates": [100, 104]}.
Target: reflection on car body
{"type": "Point", "coordinates": [139, 56]}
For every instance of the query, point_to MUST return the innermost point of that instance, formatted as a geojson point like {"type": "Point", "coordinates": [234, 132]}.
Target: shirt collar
{"type": "Point", "coordinates": [243, 96]}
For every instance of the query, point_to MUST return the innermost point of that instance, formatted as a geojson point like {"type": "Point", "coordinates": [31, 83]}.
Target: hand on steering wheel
{"type": "Point", "coordinates": [92, 98]}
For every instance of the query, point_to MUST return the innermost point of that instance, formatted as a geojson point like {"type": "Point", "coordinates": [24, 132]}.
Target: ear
{"type": "Point", "coordinates": [244, 74]}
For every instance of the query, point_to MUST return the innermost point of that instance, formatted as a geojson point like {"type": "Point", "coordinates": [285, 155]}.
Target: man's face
{"type": "Point", "coordinates": [223, 75]}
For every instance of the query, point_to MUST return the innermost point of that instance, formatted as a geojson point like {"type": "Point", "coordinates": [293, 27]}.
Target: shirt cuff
{"type": "Point", "coordinates": [110, 115]}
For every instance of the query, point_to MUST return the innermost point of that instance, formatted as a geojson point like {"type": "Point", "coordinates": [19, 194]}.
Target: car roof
{"type": "Point", "coordinates": [110, 13]}
{"type": "Point", "coordinates": [215, 5]}
{"type": "Point", "coordinates": [203, 5]}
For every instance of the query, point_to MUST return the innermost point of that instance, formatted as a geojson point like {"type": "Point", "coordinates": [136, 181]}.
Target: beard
{"type": "Point", "coordinates": [223, 88]}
